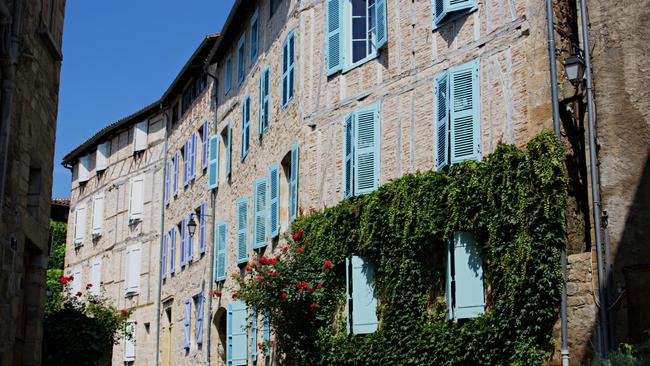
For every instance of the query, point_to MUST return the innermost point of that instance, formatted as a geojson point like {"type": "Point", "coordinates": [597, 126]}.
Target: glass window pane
{"type": "Point", "coordinates": [359, 28]}
{"type": "Point", "coordinates": [358, 50]}
{"type": "Point", "coordinates": [358, 7]}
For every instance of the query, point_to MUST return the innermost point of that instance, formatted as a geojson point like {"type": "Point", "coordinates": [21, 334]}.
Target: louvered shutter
{"type": "Point", "coordinates": [242, 230]}
{"type": "Point", "coordinates": [439, 10]}
{"type": "Point", "coordinates": [136, 208]}
{"type": "Point", "coordinates": [98, 214]}
{"type": "Point", "coordinates": [468, 277]}
{"type": "Point", "coordinates": [188, 315]}
{"type": "Point", "coordinates": [140, 136]}
{"type": "Point", "coordinates": [228, 75]}
{"type": "Point", "coordinates": [83, 169]}
{"type": "Point", "coordinates": [293, 209]}
{"type": "Point", "coordinates": [456, 5]}
{"type": "Point", "coordinates": [163, 259]}
{"type": "Point", "coordinates": [237, 350]}
{"type": "Point", "coordinates": [193, 142]}
{"type": "Point", "coordinates": [464, 112]}
{"type": "Point", "coordinates": [168, 174]}
{"type": "Point", "coordinates": [366, 162]}
{"type": "Point", "coordinates": [172, 251]}
{"type": "Point", "coordinates": [95, 276]}
{"type": "Point", "coordinates": [245, 131]}
{"type": "Point", "coordinates": [202, 231]}
{"type": "Point", "coordinates": [132, 276]}
{"type": "Point", "coordinates": [129, 343]}
{"type": "Point", "coordinates": [362, 295]}
{"type": "Point", "coordinates": [183, 250]}
{"type": "Point", "coordinates": [442, 121]}
{"type": "Point", "coordinates": [228, 149]}
{"type": "Point", "coordinates": [175, 179]}
{"type": "Point", "coordinates": [213, 164]}
{"type": "Point", "coordinates": [220, 252]}
{"type": "Point", "coordinates": [189, 242]}
{"type": "Point", "coordinates": [186, 161]}
{"type": "Point", "coordinates": [259, 213]}
{"type": "Point", "coordinates": [76, 281]}
{"type": "Point", "coordinates": [274, 201]}
{"type": "Point", "coordinates": [348, 156]}
{"type": "Point", "coordinates": [80, 225]}
{"type": "Point", "coordinates": [381, 27]}
{"type": "Point", "coordinates": [199, 319]}
{"type": "Point", "coordinates": [335, 41]}
{"type": "Point", "coordinates": [103, 152]}
{"type": "Point", "coordinates": [254, 37]}
{"type": "Point", "coordinates": [266, 327]}
{"type": "Point", "coordinates": [264, 102]}
{"type": "Point", "coordinates": [204, 147]}
{"type": "Point", "coordinates": [254, 334]}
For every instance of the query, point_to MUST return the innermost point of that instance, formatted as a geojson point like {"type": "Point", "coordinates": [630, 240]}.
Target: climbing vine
{"type": "Point", "coordinates": [513, 202]}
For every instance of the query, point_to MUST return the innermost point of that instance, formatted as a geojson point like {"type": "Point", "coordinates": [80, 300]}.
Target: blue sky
{"type": "Point", "coordinates": [119, 56]}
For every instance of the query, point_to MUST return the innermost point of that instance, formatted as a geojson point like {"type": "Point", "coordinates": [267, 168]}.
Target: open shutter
{"type": "Point", "coordinates": [254, 36]}
{"type": "Point", "coordinates": [213, 163]}
{"type": "Point", "coordinates": [265, 106]}
{"type": "Point", "coordinates": [103, 152]}
{"type": "Point", "coordinates": [98, 214]}
{"type": "Point", "coordinates": [129, 343]}
{"type": "Point", "coordinates": [193, 143]}
{"type": "Point", "coordinates": [136, 208]}
{"type": "Point", "coordinates": [226, 87]}
{"type": "Point", "coordinates": [362, 295]}
{"type": "Point", "coordinates": [366, 162]}
{"type": "Point", "coordinates": [220, 252]}
{"type": "Point", "coordinates": [132, 276]}
{"type": "Point", "coordinates": [266, 327]}
{"type": "Point", "coordinates": [335, 41]}
{"type": "Point", "coordinates": [83, 169]}
{"type": "Point", "coordinates": [456, 5]}
{"type": "Point", "coordinates": [188, 315]}
{"type": "Point", "coordinates": [237, 350]}
{"type": "Point", "coordinates": [254, 334]}
{"type": "Point", "coordinates": [293, 209]}
{"type": "Point", "coordinates": [95, 276]}
{"type": "Point", "coordinates": [199, 319]}
{"type": "Point", "coordinates": [189, 242]}
{"type": "Point", "coordinates": [163, 259]}
{"type": "Point", "coordinates": [382, 27]}
{"type": "Point", "coordinates": [202, 231]}
{"type": "Point", "coordinates": [79, 224]}
{"type": "Point", "coordinates": [186, 163]}
{"type": "Point", "coordinates": [246, 127]}
{"type": "Point", "coordinates": [228, 149]}
{"type": "Point", "coordinates": [183, 250]}
{"type": "Point", "coordinates": [172, 251]}
{"type": "Point", "coordinates": [439, 10]}
{"type": "Point", "coordinates": [204, 147]}
{"type": "Point", "coordinates": [259, 213]}
{"type": "Point", "coordinates": [168, 173]}
{"type": "Point", "coordinates": [348, 156]}
{"type": "Point", "coordinates": [175, 179]}
{"type": "Point", "coordinates": [140, 136]}
{"type": "Point", "coordinates": [468, 277]}
{"type": "Point", "coordinates": [242, 230]}
{"type": "Point", "coordinates": [274, 201]}
{"type": "Point", "coordinates": [442, 121]}
{"type": "Point", "coordinates": [260, 124]}
{"type": "Point", "coordinates": [464, 112]}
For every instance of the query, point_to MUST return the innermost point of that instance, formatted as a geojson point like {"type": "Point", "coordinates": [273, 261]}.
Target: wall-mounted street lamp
{"type": "Point", "coordinates": [191, 225]}
{"type": "Point", "coordinates": [574, 65]}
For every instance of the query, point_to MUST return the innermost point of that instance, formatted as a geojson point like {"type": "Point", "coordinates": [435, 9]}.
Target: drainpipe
{"type": "Point", "coordinates": [162, 238]}
{"type": "Point", "coordinates": [556, 127]}
{"type": "Point", "coordinates": [595, 184]}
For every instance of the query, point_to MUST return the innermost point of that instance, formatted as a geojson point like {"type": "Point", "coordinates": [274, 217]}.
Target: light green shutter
{"type": "Point", "coordinates": [213, 163]}
{"type": "Point", "coordinates": [464, 112]}
{"type": "Point", "coordinates": [442, 121]}
{"type": "Point", "coordinates": [242, 230]}
{"type": "Point", "coordinates": [366, 162]}
{"type": "Point", "coordinates": [259, 213]}
{"type": "Point", "coordinates": [274, 201]}
{"type": "Point", "coordinates": [293, 209]}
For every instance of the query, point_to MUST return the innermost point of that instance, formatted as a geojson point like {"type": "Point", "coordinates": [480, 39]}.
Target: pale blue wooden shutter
{"type": "Point", "coordinates": [172, 251]}
{"type": "Point", "coordinates": [245, 131]}
{"type": "Point", "coordinates": [242, 230]}
{"type": "Point", "coordinates": [467, 277]}
{"type": "Point", "coordinates": [439, 11]}
{"type": "Point", "coordinates": [213, 163]}
{"type": "Point", "coordinates": [163, 260]}
{"type": "Point", "coordinates": [335, 41]}
{"type": "Point", "coordinates": [381, 29]}
{"type": "Point", "coordinates": [456, 5]}
{"type": "Point", "coordinates": [202, 231]}
{"type": "Point", "coordinates": [167, 181]}
{"type": "Point", "coordinates": [229, 324]}
{"type": "Point", "coordinates": [293, 209]}
{"type": "Point", "coordinates": [188, 314]}
{"type": "Point", "coordinates": [199, 319]}
{"type": "Point", "coordinates": [449, 283]}
{"type": "Point", "coordinates": [220, 252]}
{"type": "Point", "coordinates": [183, 225]}
{"type": "Point", "coordinates": [288, 61]}
{"type": "Point", "coordinates": [176, 157]}
{"type": "Point", "coordinates": [228, 75]}
{"type": "Point", "coordinates": [348, 156]}
{"type": "Point", "coordinates": [237, 330]}
{"type": "Point", "coordinates": [266, 327]}
{"type": "Point", "coordinates": [228, 149]}
{"type": "Point", "coordinates": [366, 159]}
{"type": "Point", "coordinates": [442, 121]}
{"type": "Point", "coordinates": [264, 102]}
{"type": "Point", "coordinates": [204, 147]}
{"type": "Point", "coordinates": [254, 334]}
{"type": "Point", "coordinates": [189, 242]}
{"type": "Point", "coordinates": [259, 213]}
{"type": "Point", "coordinates": [464, 112]}
{"type": "Point", "coordinates": [274, 201]}
{"type": "Point", "coordinates": [254, 37]}
{"type": "Point", "coordinates": [361, 293]}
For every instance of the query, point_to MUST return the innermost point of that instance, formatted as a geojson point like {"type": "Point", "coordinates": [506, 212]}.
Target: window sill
{"type": "Point", "coordinates": [353, 66]}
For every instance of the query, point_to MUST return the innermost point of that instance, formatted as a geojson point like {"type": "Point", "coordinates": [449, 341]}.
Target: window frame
{"type": "Point", "coordinates": [289, 73]}
{"type": "Point", "coordinates": [254, 50]}
{"type": "Point", "coordinates": [241, 59]}
{"type": "Point", "coordinates": [227, 85]}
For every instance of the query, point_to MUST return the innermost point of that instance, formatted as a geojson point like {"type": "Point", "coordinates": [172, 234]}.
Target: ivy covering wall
{"type": "Point", "coordinates": [513, 202]}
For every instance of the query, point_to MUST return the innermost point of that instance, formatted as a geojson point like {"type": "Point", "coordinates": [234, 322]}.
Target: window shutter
{"type": "Point", "coordinates": [175, 179]}
{"type": "Point", "coordinates": [348, 156]}
{"type": "Point", "coordinates": [382, 27]}
{"type": "Point", "coordinates": [237, 330]}
{"type": "Point", "coordinates": [259, 213]}
{"type": "Point", "coordinates": [228, 150]}
{"type": "Point", "coordinates": [189, 242]}
{"type": "Point", "coordinates": [136, 211]}
{"type": "Point", "coordinates": [254, 334]}
{"type": "Point", "coordinates": [274, 201]}
{"type": "Point", "coordinates": [193, 142]}
{"type": "Point", "coordinates": [202, 228]}
{"type": "Point", "coordinates": [140, 136]}
{"type": "Point", "coordinates": [83, 174]}
{"type": "Point", "coordinates": [468, 277]}
{"type": "Point", "coordinates": [220, 250]}
{"type": "Point", "coordinates": [213, 164]}
{"type": "Point", "coordinates": [163, 259]}
{"type": "Point", "coordinates": [129, 343]}
{"type": "Point", "coordinates": [242, 230]}
{"type": "Point", "coordinates": [442, 121]}
{"type": "Point", "coordinates": [366, 162]}
{"type": "Point", "coordinates": [293, 209]}
{"type": "Point", "coordinates": [76, 281]}
{"type": "Point", "coordinates": [168, 174]}
{"type": "Point", "coordinates": [456, 5]}
{"type": "Point", "coordinates": [95, 276]}
{"type": "Point", "coordinates": [246, 125]}
{"type": "Point", "coordinates": [186, 160]}
{"type": "Point", "coordinates": [188, 314]}
{"type": "Point", "coordinates": [335, 42]}
{"type": "Point", "coordinates": [464, 113]}
{"type": "Point", "coordinates": [449, 283]}
{"type": "Point", "coordinates": [288, 54]}
{"type": "Point", "coordinates": [132, 276]}
{"type": "Point", "coordinates": [103, 152]}
{"type": "Point", "coordinates": [264, 101]}
{"type": "Point", "coordinates": [199, 319]}
{"type": "Point", "coordinates": [172, 251]}
{"type": "Point", "coordinates": [266, 327]}
{"type": "Point", "coordinates": [80, 225]}
{"type": "Point", "coordinates": [228, 75]}
{"type": "Point", "coordinates": [183, 226]}
{"type": "Point", "coordinates": [439, 10]}
{"type": "Point", "coordinates": [241, 58]}
{"type": "Point", "coordinates": [362, 294]}
{"type": "Point", "coordinates": [98, 214]}
{"type": "Point", "coordinates": [204, 147]}
{"type": "Point", "coordinates": [254, 36]}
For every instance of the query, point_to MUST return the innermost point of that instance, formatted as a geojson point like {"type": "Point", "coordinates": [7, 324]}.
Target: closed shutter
{"type": "Point", "coordinates": [254, 334]}
{"type": "Point", "coordinates": [467, 277]}
{"type": "Point", "coordinates": [77, 273]}
{"type": "Point", "coordinates": [245, 131]}
{"type": "Point", "coordinates": [189, 241]}
{"type": "Point", "coordinates": [163, 259]}
{"type": "Point", "coordinates": [213, 163]}
{"type": "Point", "coordinates": [274, 201]}
{"type": "Point", "coordinates": [228, 149]}
{"type": "Point", "coordinates": [442, 121]}
{"type": "Point", "coordinates": [175, 179]}
{"type": "Point", "coordinates": [183, 229]}
{"type": "Point", "coordinates": [83, 169]}
{"type": "Point", "coordinates": [202, 228]}
{"type": "Point", "coordinates": [188, 315]}
{"type": "Point", "coordinates": [136, 211]}
{"type": "Point", "coordinates": [95, 276]}
{"type": "Point", "coordinates": [199, 319]}
{"type": "Point", "coordinates": [348, 156]}
{"type": "Point", "coordinates": [335, 41]}
{"type": "Point", "coordinates": [254, 36]}
{"type": "Point", "coordinates": [242, 230]}
{"type": "Point", "coordinates": [204, 147]}
{"type": "Point", "coordinates": [464, 113]}
{"type": "Point", "coordinates": [236, 329]}
{"type": "Point", "coordinates": [172, 251]}
{"type": "Point", "coordinates": [98, 214]}
{"type": "Point", "coordinates": [228, 75]}
{"type": "Point", "coordinates": [132, 276]}
{"type": "Point", "coordinates": [140, 136]}
{"type": "Point", "coordinates": [168, 173]}
{"type": "Point", "coordinates": [129, 343]}
{"type": "Point", "coordinates": [266, 327]}
{"type": "Point", "coordinates": [362, 296]}
{"type": "Point", "coordinates": [382, 27]}
{"type": "Point", "coordinates": [103, 152]}
{"type": "Point", "coordinates": [293, 209]}
{"type": "Point", "coordinates": [80, 224]}
{"type": "Point", "coordinates": [366, 162]}
{"type": "Point", "coordinates": [259, 213]}
{"type": "Point", "coordinates": [220, 252]}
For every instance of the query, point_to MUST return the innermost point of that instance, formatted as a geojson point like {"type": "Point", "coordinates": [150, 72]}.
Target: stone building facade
{"type": "Point", "coordinates": [30, 64]}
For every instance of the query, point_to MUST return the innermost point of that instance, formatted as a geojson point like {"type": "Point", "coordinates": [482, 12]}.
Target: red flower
{"type": "Point", "coordinates": [235, 295]}
{"type": "Point", "coordinates": [268, 284]}
{"type": "Point", "coordinates": [248, 268]}
{"type": "Point", "coordinates": [74, 298]}
{"type": "Point", "coordinates": [263, 260]}
{"type": "Point", "coordinates": [89, 285]}
{"type": "Point", "coordinates": [313, 305]}
{"type": "Point", "coordinates": [218, 293]}
{"type": "Point", "coordinates": [327, 264]}
{"type": "Point", "coordinates": [211, 293]}
{"type": "Point", "coordinates": [299, 234]}
{"type": "Point", "coordinates": [318, 286]}
{"type": "Point", "coordinates": [311, 289]}
{"type": "Point", "coordinates": [259, 345]}
{"type": "Point", "coordinates": [259, 278]}
{"type": "Point", "coordinates": [285, 248]}
{"type": "Point", "coordinates": [274, 261]}
{"type": "Point", "coordinates": [63, 280]}
{"type": "Point", "coordinates": [284, 295]}
{"type": "Point", "coordinates": [124, 313]}
{"type": "Point", "coordinates": [299, 250]}
{"type": "Point", "coordinates": [71, 277]}
{"type": "Point", "coordinates": [79, 293]}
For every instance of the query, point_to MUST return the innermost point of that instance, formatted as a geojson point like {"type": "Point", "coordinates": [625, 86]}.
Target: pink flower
{"type": "Point", "coordinates": [79, 293]}
{"type": "Point", "coordinates": [89, 285]}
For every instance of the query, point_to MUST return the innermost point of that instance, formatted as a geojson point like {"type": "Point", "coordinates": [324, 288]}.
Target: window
{"type": "Point", "coordinates": [98, 214]}
{"type": "Point", "coordinates": [132, 273]}
{"type": "Point", "coordinates": [254, 36]}
{"type": "Point", "coordinates": [362, 302]}
{"type": "Point", "coordinates": [185, 153]}
{"type": "Point", "coordinates": [172, 251]}
{"type": "Point", "coordinates": [444, 10]}
{"type": "Point", "coordinates": [205, 133]}
{"type": "Point", "coordinates": [259, 212]}
{"type": "Point", "coordinates": [465, 294]}
{"type": "Point", "coordinates": [274, 201]}
{"type": "Point", "coordinates": [136, 207]}
{"type": "Point", "coordinates": [177, 157]}
{"type": "Point", "coordinates": [264, 101]}
{"type": "Point", "coordinates": [361, 151]}
{"type": "Point", "coordinates": [140, 136]}
{"type": "Point", "coordinates": [246, 126]}
{"type": "Point", "coordinates": [356, 30]}
{"type": "Point", "coordinates": [193, 146]}
{"type": "Point", "coordinates": [129, 342]}
{"type": "Point", "coordinates": [220, 246]}
{"type": "Point", "coordinates": [228, 77]}
{"type": "Point", "coordinates": [95, 276]}
{"type": "Point", "coordinates": [163, 259]}
{"type": "Point", "coordinates": [181, 229]}
{"type": "Point", "coordinates": [83, 169]}
{"type": "Point", "coordinates": [187, 323]}
{"type": "Point", "coordinates": [226, 137]}
{"type": "Point", "coordinates": [274, 7]}
{"type": "Point", "coordinates": [199, 318]}
{"type": "Point", "coordinates": [237, 333]}
{"type": "Point", "coordinates": [103, 152]}
{"type": "Point", "coordinates": [242, 230]}
{"type": "Point", "coordinates": [79, 224]}
{"type": "Point", "coordinates": [213, 163]}
{"type": "Point", "coordinates": [457, 115]}
{"type": "Point", "coordinates": [77, 279]}
{"type": "Point", "coordinates": [202, 231]}
{"type": "Point", "coordinates": [175, 113]}
{"type": "Point", "coordinates": [241, 59]}
{"type": "Point", "coordinates": [288, 60]}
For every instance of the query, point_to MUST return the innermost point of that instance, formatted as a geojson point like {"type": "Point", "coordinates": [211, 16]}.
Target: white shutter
{"type": "Point", "coordinates": [132, 275]}
{"type": "Point", "coordinates": [140, 136]}
{"type": "Point", "coordinates": [75, 286]}
{"type": "Point", "coordinates": [136, 209]}
{"type": "Point", "coordinates": [129, 343]}
{"type": "Point", "coordinates": [103, 152]}
{"type": "Point", "coordinates": [80, 224]}
{"type": "Point", "coordinates": [83, 169]}
{"type": "Point", "coordinates": [95, 275]}
{"type": "Point", "coordinates": [98, 214]}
